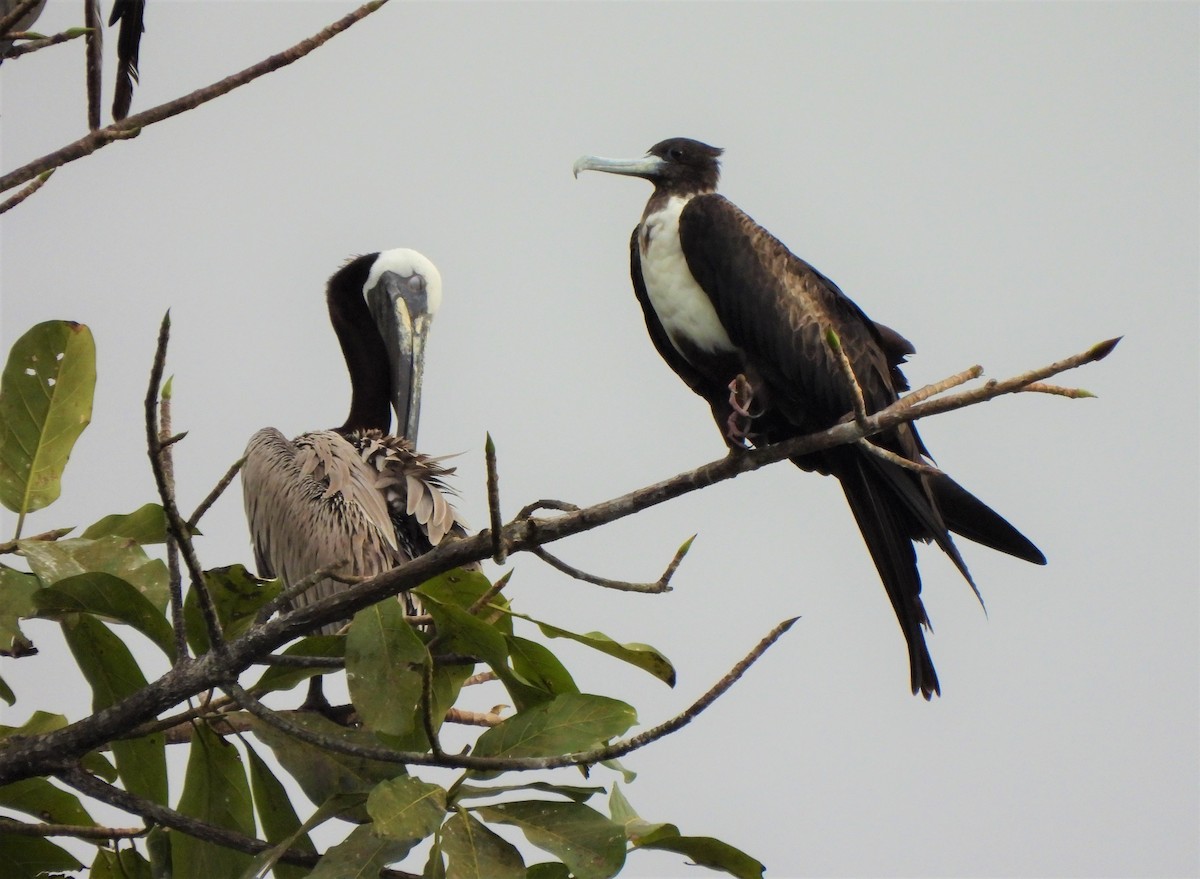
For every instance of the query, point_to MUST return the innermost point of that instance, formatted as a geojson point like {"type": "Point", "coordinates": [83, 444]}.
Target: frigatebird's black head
{"type": "Point", "coordinates": [679, 166]}
{"type": "Point", "coordinates": [381, 306]}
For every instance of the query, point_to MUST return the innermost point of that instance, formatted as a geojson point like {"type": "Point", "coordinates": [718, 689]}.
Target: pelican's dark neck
{"type": "Point", "coordinates": [362, 346]}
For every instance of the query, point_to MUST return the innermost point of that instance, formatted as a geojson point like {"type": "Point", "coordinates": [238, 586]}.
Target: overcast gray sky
{"type": "Point", "coordinates": [1003, 183]}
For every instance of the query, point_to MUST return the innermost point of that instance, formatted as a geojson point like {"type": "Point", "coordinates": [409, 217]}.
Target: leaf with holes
{"type": "Point", "coordinates": [45, 403]}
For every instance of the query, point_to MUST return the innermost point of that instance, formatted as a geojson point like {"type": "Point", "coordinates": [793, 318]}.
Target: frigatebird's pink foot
{"type": "Point", "coordinates": [737, 426]}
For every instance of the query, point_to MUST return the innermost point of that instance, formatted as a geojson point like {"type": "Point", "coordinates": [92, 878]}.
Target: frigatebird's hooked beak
{"type": "Point", "coordinates": [647, 167]}
{"type": "Point", "coordinates": [403, 293]}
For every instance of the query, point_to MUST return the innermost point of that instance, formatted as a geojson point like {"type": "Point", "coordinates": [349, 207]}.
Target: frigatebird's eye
{"type": "Point", "coordinates": [675, 154]}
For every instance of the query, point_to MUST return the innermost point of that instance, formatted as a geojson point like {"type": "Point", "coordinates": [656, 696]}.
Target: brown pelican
{"type": "Point", "coordinates": [356, 493]}
{"type": "Point", "coordinates": [743, 321]}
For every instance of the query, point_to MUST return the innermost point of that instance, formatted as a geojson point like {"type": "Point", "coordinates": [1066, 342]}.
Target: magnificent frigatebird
{"type": "Point", "coordinates": [355, 494]}
{"type": "Point", "coordinates": [744, 323]}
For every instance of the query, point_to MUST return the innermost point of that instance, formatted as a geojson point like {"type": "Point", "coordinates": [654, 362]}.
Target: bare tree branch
{"type": "Point", "coordinates": [132, 125]}
{"type": "Point", "coordinates": [26, 756]}
{"type": "Point", "coordinates": [37, 41]}
{"type": "Point", "coordinates": [79, 831]}
{"type": "Point", "coordinates": [662, 584]}
{"type": "Point", "coordinates": [100, 790]}
{"type": "Point", "coordinates": [29, 190]}
{"type": "Point", "coordinates": [218, 490]}
{"type": "Point", "coordinates": [499, 551]}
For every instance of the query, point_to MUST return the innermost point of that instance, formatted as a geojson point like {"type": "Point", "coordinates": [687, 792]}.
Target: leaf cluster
{"type": "Point", "coordinates": [235, 814]}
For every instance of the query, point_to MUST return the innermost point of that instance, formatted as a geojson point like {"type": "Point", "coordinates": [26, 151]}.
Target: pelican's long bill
{"type": "Point", "coordinates": [403, 293]}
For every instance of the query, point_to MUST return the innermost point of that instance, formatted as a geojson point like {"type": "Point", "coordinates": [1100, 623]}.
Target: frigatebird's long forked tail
{"type": "Point", "coordinates": [357, 495]}
{"type": "Point", "coordinates": [743, 321]}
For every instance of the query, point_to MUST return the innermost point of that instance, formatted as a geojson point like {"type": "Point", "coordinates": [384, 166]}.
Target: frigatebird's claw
{"type": "Point", "coordinates": [737, 427]}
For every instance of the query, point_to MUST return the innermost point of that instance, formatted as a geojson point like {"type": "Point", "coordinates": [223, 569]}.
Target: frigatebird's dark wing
{"type": "Point", "coordinates": [777, 308]}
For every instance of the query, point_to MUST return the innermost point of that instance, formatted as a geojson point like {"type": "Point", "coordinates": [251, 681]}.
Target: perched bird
{"type": "Point", "coordinates": [743, 321]}
{"type": "Point", "coordinates": [357, 494]}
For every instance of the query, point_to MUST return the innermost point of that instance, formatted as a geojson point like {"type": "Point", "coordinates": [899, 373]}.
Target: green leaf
{"type": "Point", "coordinates": [642, 656]}
{"type": "Point", "coordinates": [703, 850]}
{"type": "Point", "coordinates": [571, 722]}
{"type": "Point", "coordinates": [7, 694]}
{"type": "Point", "coordinates": [536, 664]}
{"type": "Point", "coordinates": [119, 556]}
{"type": "Point", "coordinates": [407, 809]}
{"type": "Point", "coordinates": [475, 852]}
{"type": "Point", "coordinates": [45, 403]}
{"type": "Point", "coordinates": [113, 674]}
{"type": "Point", "coordinates": [321, 773]}
{"type": "Point", "coordinates": [361, 855]}
{"type": "Point", "coordinates": [267, 859]}
{"type": "Point", "coordinates": [275, 814]}
{"type": "Point", "coordinates": [127, 863]}
{"type": "Point", "coordinates": [39, 722]}
{"type": "Point", "coordinates": [460, 632]}
{"type": "Point", "coordinates": [462, 589]}
{"type": "Point", "coordinates": [588, 843]}
{"type": "Point", "coordinates": [32, 857]}
{"type": "Point", "coordinates": [237, 595]}
{"type": "Point", "coordinates": [17, 590]}
{"type": "Point", "coordinates": [574, 793]}
{"type": "Point", "coordinates": [215, 790]}
{"type": "Point", "coordinates": [548, 870]}
{"type": "Point", "coordinates": [707, 852]}
{"type": "Point", "coordinates": [41, 799]}
{"type": "Point", "coordinates": [110, 597]}
{"type": "Point", "coordinates": [282, 677]}
{"type": "Point", "coordinates": [384, 662]}
{"type": "Point", "coordinates": [147, 524]}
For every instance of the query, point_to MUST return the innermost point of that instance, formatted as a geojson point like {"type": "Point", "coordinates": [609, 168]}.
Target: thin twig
{"type": "Point", "coordinates": [473, 718]}
{"type": "Point", "coordinates": [544, 504]}
{"type": "Point", "coordinates": [484, 600]}
{"type": "Point", "coordinates": [100, 790]}
{"type": "Point", "coordinates": [286, 596]}
{"type": "Point", "coordinates": [95, 60]}
{"type": "Point", "coordinates": [29, 190]}
{"type": "Point", "coordinates": [847, 370]}
{"type": "Point", "coordinates": [899, 460]}
{"type": "Point", "coordinates": [131, 125]}
{"type": "Point", "coordinates": [512, 764]}
{"type": "Point", "coordinates": [1059, 391]}
{"type": "Point", "coordinates": [78, 831]}
{"type": "Point", "coordinates": [173, 575]}
{"type": "Point", "coordinates": [662, 584]}
{"type": "Point", "coordinates": [945, 384]}
{"type": "Point", "coordinates": [218, 490]}
{"type": "Point", "coordinates": [499, 551]}
{"type": "Point", "coordinates": [53, 534]}
{"type": "Point", "coordinates": [37, 42]}
{"type": "Point", "coordinates": [483, 677]}
{"type": "Point", "coordinates": [174, 580]}
{"type": "Point", "coordinates": [431, 733]}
